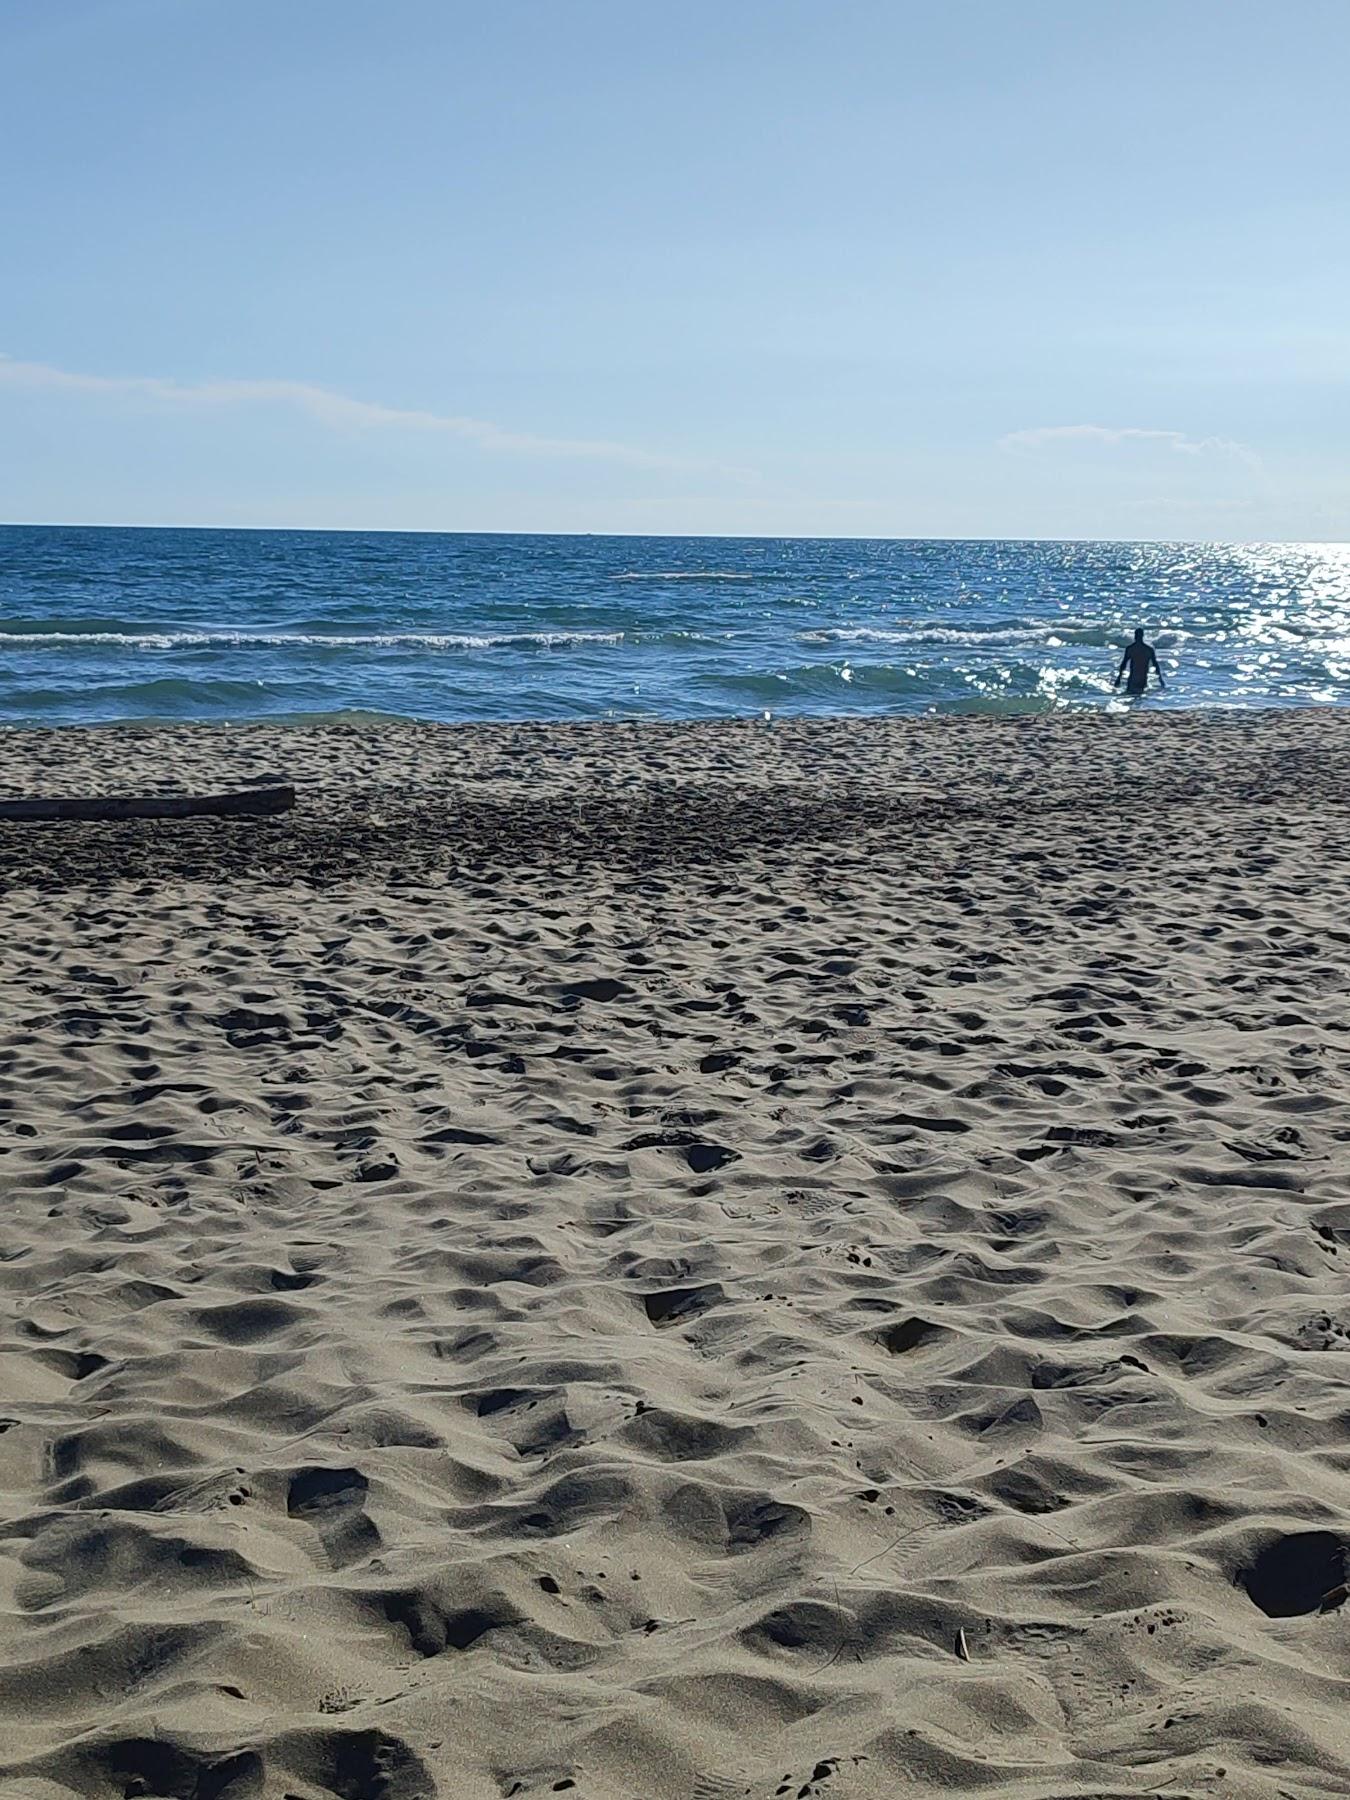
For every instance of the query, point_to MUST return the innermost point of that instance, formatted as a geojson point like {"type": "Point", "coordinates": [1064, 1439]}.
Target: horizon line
{"type": "Point", "coordinates": [709, 537]}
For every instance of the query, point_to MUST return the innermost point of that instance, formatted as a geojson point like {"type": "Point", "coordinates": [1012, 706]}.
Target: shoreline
{"type": "Point", "coordinates": [1108, 705]}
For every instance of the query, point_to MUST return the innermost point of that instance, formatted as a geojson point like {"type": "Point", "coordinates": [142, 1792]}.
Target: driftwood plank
{"type": "Point", "coordinates": [248, 802]}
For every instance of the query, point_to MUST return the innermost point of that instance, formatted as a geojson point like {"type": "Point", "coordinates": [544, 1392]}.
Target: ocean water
{"type": "Point", "coordinates": [99, 624]}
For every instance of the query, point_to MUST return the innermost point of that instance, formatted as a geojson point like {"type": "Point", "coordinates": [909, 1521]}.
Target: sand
{"type": "Point", "coordinates": [764, 1259]}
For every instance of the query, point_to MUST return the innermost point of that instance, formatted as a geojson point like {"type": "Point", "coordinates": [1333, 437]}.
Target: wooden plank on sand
{"type": "Point", "coordinates": [248, 802]}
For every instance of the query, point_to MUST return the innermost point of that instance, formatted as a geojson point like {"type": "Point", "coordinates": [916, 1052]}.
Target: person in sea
{"type": "Point", "coordinates": [1139, 658]}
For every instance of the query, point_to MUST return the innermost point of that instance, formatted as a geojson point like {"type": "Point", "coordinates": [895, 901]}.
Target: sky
{"type": "Point", "coordinates": [897, 268]}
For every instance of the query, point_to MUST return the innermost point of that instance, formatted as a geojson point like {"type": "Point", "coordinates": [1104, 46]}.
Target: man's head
{"type": "Point", "coordinates": [1138, 634]}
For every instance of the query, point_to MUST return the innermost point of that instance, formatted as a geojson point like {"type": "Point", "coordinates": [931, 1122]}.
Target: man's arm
{"type": "Point", "coordinates": [1121, 670]}
{"type": "Point", "coordinates": [1157, 668]}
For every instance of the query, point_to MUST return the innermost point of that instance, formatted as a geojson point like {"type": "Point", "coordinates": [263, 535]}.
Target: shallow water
{"type": "Point", "coordinates": [99, 624]}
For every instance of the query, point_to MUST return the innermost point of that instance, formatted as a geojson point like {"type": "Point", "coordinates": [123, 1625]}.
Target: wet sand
{"type": "Point", "coordinates": [799, 1259]}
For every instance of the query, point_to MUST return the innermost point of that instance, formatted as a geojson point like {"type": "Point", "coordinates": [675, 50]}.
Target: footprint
{"type": "Point", "coordinates": [910, 1334]}
{"type": "Point", "coordinates": [333, 1502]}
{"type": "Point", "coordinates": [432, 1630]}
{"type": "Point", "coordinates": [355, 1765]}
{"type": "Point", "coordinates": [673, 1304]}
{"type": "Point", "coordinates": [1305, 1572]}
{"type": "Point", "coordinates": [758, 1520]}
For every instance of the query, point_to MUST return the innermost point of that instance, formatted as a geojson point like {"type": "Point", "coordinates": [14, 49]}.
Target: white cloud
{"type": "Point", "coordinates": [330, 408]}
{"type": "Point", "coordinates": [1042, 437]}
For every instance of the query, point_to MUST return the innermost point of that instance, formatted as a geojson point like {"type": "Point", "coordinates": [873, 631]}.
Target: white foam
{"type": "Point", "coordinates": [289, 640]}
{"type": "Point", "coordinates": [926, 634]}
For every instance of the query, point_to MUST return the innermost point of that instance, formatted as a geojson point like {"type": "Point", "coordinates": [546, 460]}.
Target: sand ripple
{"type": "Point", "coordinates": [834, 1289]}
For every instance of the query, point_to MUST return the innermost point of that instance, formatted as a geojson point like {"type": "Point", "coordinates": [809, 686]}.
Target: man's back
{"type": "Point", "coordinates": [1138, 659]}
{"type": "Point", "coordinates": [1141, 659]}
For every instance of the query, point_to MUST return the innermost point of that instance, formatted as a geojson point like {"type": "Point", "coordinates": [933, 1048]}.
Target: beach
{"type": "Point", "coordinates": [675, 1262]}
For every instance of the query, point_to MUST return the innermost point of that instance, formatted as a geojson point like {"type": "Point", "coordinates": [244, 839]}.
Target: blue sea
{"type": "Point", "coordinates": [101, 624]}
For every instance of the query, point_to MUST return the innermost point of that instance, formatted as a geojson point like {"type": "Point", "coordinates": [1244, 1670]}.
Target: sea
{"type": "Point", "coordinates": [136, 624]}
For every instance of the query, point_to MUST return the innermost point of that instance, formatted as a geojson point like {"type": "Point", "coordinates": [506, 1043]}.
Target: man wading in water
{"type": "Point", "coordinates": [1139, 658]}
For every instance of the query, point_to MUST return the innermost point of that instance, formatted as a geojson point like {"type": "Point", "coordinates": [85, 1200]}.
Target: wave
{"type": "Point", "coordinates": [774, 685]}
{"type": "Point", "coordinates": [151, 639]}
{"type": "Point", "coordinates": [72, 625]}
{"type": "Point", "coordinates": [167, 691]}
{"type": "Point", "coordinates": [996, 681]}
{"type": "Point", "coordinates": [685, 575]}
{"type": "Point", "coordinates": [936, 633]}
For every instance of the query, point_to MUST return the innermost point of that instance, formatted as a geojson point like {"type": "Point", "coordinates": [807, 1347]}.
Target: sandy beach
{"type": "Point", "coordinates": [665, 1262]}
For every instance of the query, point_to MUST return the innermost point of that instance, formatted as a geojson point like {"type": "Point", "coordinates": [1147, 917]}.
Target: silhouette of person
{"type": "Point", "coordinates": [1139, 658]}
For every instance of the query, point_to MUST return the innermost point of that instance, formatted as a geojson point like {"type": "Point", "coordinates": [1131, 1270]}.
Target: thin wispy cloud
{"type": "Point", "coordinates": [334, 410]}
{"type": "Point", "coordinates": [1045, 437]}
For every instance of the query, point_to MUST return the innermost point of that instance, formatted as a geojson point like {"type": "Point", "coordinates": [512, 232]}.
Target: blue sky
{"type": "Point", "coordinates": [848, 267]}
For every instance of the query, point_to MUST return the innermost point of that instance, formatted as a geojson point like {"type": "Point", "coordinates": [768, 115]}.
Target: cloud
{"type": "Point", "coordinates": [337, 411]}
{"type": "Point", "coordinates": [1042, 437]}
